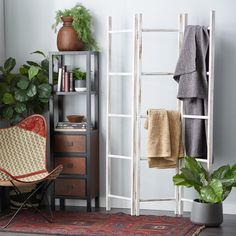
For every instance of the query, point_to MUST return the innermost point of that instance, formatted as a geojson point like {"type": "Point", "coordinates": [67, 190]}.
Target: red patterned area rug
{"type": "Point", "coordinates": [102, 224]}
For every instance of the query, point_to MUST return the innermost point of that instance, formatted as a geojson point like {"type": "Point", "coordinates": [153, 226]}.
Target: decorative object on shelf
{"type": "Point", "coordinates": [82, 23]}
{"type": "Point", "coordinates": [26, 91]}
{"type": "Point", "coordinates": [75, 118]}
{"type": "Point", "coordinates": [213, 189]}
{"type": "Point", "coordinates": [67, 39]}
{"type": "Point", "coordinates": [79, 80]}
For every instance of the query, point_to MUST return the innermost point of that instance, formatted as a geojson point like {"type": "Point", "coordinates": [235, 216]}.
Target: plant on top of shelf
{"type": "Point", "coordinates": [24, 92]}
{"type": "Point", "coordinates": [82, 23]}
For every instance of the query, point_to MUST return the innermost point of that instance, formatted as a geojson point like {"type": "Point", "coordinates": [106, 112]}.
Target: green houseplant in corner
{"type": "Point", "coordinates": [24, 92]}
{"type": "Point", "coordinates": [212, 188]}
{"type": "Point", "coordinates": [82, 23]}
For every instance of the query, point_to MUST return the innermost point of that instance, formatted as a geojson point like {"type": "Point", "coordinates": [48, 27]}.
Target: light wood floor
{"type": "Point", "coordinates": [228, 228]}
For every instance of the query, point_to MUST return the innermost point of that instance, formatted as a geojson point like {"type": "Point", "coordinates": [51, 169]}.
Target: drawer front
{"type": "Point", "coordinates": [70, 187]}
{"type": "Point", "coordinates": [72, 165]}
{"type": "Point", "coordinates": [69, 143]}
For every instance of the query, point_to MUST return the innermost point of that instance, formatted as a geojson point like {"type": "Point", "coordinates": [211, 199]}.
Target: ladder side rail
{"type": "Point", "coordinates": [138, 111]}
{"type": "Point", "coordinates": [133, 113]}
{"type": "Point", "coordinates": [108, 124]}
{"type": "Point", "coordinates": [211, 92]}
{"type": "Point", "coordinates": [181, 188]}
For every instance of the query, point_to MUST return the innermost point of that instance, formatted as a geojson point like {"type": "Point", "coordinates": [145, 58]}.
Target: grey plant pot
{"type": "Point", "coordinates": [80, 83]}
{"type": "Point", "coordinates": [209, 214]}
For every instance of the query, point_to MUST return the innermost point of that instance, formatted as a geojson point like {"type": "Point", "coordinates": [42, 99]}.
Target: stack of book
{"type": "Point", "coordinates": [69, 126]}
{"type": "Point", "coordinates": [65, 81]}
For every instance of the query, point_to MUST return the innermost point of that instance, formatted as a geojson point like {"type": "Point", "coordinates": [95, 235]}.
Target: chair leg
{"type": "Point", "coordinates": [27, 200]}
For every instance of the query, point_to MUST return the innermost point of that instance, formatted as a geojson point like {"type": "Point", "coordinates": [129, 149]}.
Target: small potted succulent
{"type": "Point", "coordinates": [79, 79]}
{"type": "Point", "coordinates": [213, 188]}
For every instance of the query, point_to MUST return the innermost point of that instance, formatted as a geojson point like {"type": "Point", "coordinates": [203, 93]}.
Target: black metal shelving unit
{"type": "Point", "coordinates": [76, 150]}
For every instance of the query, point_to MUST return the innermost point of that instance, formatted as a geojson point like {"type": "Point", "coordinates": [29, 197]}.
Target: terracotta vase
{"type": "Point", "coordinates": [67, 39]}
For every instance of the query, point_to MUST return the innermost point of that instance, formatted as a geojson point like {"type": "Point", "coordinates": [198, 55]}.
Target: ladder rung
{"type": "Point", "coordinates": [201, 160]}
{"type": "Point", "coordinates": [121, 73]}
{"type": "Point", "coordinates": [143, 159]}
{"type": "Point", "coordinates": [119, 197]}
{"type": "Point", "coordinates": [156, 73]}
{"type": "Point", "coordinates": [143, 116]}
{"type": "Point", "coordinates": [208, 72]}
{"type": "Point", "coordinates": [186, 200]}
{"type": "Point", "coordinates": [161, 30]}
{"type": "Point", "coordinates": [121, 31]}
{"type": "Point", "coordinates": [195, 117]}
{"type": "Point", "coordinates": [120, 157]}
{"type": "Point", "coordinates": [119, 115]}
{"type": "Point", "coordinates": [157, 200]}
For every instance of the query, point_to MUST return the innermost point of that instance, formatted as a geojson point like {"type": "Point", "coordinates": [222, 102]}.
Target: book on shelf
{"type": "Point", "coordinates": [59, 80]}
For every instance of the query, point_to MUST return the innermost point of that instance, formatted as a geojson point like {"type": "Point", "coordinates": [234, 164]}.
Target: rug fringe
{"type": "Point", "coordinates": [197, 232]}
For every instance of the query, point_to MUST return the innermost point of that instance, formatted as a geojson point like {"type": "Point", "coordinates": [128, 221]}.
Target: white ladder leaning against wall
{"type": "Point", "coordinates": [137, 75]}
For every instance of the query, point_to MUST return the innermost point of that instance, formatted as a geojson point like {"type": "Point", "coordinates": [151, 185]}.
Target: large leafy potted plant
{"type": "Point", "coordinates": [212, 188]}
{"type": "Point", "coordinates": [82, 23]}
{"type": "Point", "coordinates": [24, 92]}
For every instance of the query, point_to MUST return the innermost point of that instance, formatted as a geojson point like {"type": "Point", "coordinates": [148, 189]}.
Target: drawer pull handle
{"type": "Point", "coordinates": [69, 144]}
{"type": "Point", "coordinates": [69, 165]}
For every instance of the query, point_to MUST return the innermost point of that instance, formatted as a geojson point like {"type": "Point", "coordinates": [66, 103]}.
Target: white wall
{"type": "Point", "coordinates": [2, 35]}
{"type": "Point", "coordinates": [28, 27]}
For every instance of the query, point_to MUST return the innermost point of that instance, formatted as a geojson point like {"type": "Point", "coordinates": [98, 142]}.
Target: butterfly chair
{"type": "Point", "coordinates": [23, 160]}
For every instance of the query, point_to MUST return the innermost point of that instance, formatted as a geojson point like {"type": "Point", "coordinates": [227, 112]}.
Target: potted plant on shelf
{"type": "Point", "coordinates": [79, 79]}
{"type": "Point", "coordinates": [213, 189]}
{"type": "Point", "coordinates": [77, 18]}
{"type": "Point", "coordinates": [24, 92]}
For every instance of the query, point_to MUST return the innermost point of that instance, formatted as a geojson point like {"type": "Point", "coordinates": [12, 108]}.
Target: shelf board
{"type": "Point", "coordinates": [68, 131]}
{"type": "Point", "coordinates": [75, 93]}
{"type": "Point", "coordinates": [74, 53]}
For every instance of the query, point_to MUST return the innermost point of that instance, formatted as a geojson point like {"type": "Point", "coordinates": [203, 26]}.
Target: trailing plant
{"type": "Point", "coordinates": [24, 92]}
{"type": "Point", "coordinates": [211, 187]}
{"type": "Point", "coordinates": [78, 74]}
{"type": "Point", "coordinates": [82, 23]}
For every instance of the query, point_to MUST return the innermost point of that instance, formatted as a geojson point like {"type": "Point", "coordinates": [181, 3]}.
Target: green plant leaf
{"type": "Point", "coordinates": [8, 98]}
{"type": "Point", "coordinates": [225, 175]}
{"type": "Point", "coordinates": [213, 192]}
{"type": "Point", "coordinates": [45, 64]}
{"type": "Point", "coordinates": [44, 90]}
{"type": "Point", "coordinates": [23, 83]}
{"type": "Point", "coordinates": [23, 70]}
{"type": "Point", "coordinates": [7, 112]}
{"type": "Point", "coordinates": [38, 52]}
{"type": "Point", "coordinates": [32, 90]}
{"type": "Point", "coordinates": [9, 64]}
{"type": "Point", "coordinates": [20, 107]}
{"type": "Point", "coordinates": [32, 63]}
{"type": "Point", "coordinates": [33, 71]}
{"type": "Point", "coordinates": [21, 96]}
{"type": "Point", "coordinates": [179, 180]}
{"type": "Point", "coordinates": [44, 100]}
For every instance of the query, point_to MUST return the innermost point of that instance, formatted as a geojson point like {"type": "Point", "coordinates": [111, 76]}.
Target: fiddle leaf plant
{"type": "Point", "coordinates": [25, 92]}
{"type": "Point", "coordinates": [211, 187]}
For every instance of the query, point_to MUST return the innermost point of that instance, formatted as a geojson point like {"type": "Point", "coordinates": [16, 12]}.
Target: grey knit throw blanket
{"type": "Point", "coordinates": [191, 75]}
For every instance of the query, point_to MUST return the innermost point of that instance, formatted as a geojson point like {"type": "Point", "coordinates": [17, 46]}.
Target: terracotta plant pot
{"type": "Point", "coordinates": [209, 214]}
{"type": "Point", "coordinates": [67, 39]}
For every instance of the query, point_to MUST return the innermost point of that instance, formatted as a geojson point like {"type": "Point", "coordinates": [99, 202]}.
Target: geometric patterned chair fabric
{"type": "Point", "coordinates": [23, 157]}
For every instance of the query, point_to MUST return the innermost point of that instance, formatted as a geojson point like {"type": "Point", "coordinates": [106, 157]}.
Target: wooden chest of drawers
{"type": "Point", "coordinates": [80, 175]}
